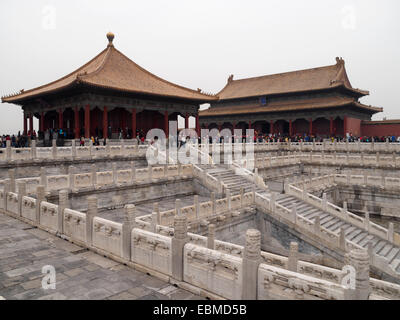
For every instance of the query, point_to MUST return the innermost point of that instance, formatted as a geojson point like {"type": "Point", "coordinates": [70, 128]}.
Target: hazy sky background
{"type": "Point", "coordinates": [199, 44]}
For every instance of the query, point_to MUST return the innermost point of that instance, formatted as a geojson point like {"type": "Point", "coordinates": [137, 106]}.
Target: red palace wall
{"type": "Point", "coordinates": [383, 129]}
{"type": "Point", "coordinates": [353, 126]}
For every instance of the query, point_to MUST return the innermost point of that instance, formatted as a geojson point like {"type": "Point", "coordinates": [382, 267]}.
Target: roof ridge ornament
{"type": "Point", "coordinates": [339, 61]}
{"type": "Point", "coordinates": [230, 79]}
{"type": "Point", "coordinates": [110, 36]}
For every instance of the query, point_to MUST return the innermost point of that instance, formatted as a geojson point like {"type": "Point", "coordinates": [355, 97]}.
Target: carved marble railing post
{"type": "Point", "coordinates": [6, 190]}
{"type": "Point", "coordinates": [33, 149]}
{"type": "Point", "coordinates": [360, 261]}
{"type": "Point", "coordinates": [93, 169]}
{"type": "Point", "coordinates": [114, 173]}
{"type": "Point", "coordinates": [156, 209]}
{"type": "Point", "coordinates": [211, 237]}
{"type": "Point", "coordinates": [153, 224]}
{"type": "Point", "coordinates": [90, 214]}
{"type": "Point", "coordinates": [43, 177]}
{"type": "Point", "coordinates": [21, 194]}
{"type": "Point", "coordinates": [272, 202]}
{"type": "Point", "coordinates": [11, 176]}
{"type": "Point", "coordinates": [293, 212]}
{"type": "Point", "coordinates": [123, 151]}
{"type": "Point", "coordinates": [73, 149]}
{"type": "Point", "coordinates": [390, 232]}
{"type": "Point", "coordinates": [71, 177]}
{"type": "Point", "coordinates": [8, 150]}
{"type": "Point", "coordinates": [324, 202]}
{"type": "Point", "coordinates": [241, 196]}
{"type": "Point", "coordinates": [383, 181]}
{"type": "Point", "coordinates": [178, 206]}
{"type": "Point", "coordinates": [165, 170]}
{"type": "Point", "coordinates": [365, 179]}
{"type": "Point", "coordinates": [342, 239]}
{"type": "Point", "coordinates": [63, 202]}
{"type": "Point", "coordinates": [150, 173]}
{"type": "Point", "coordinates": [196, 206]}
{"type": "Point", "coordinates": [90, 148]}
{"type": "Point", "coordinates": [108, 150]}
{"type": "Point", "coordinates": [344, 207]}
{"type": "Point", "coordinates": [229, 199]}
{"type": "Point", "coordinates": [179, 169]}
{"type": "Point", "coordinates": [40, 197]}
{"type": "Point", "coordinates": [293, 258]}
{"type": "Point", "coordinates": [133, 172]}
{"type": "Point", "coordinates": [178, 242]}
{"type": "Point", "coordinates": [127, 226]}
{"type": "Point", "coordinates": [317, 225]}
{"type": "Point", "coordinates": [213, 203]}
{"type": "Point", "coordinates": [394, 159]}
{"type": "Point", "coordinates": [54, 149]}
{"type": "Point", "coordinates": [250, 263]}
{"type": "Point", "coordinates": [378, 157]}
{"type": "Point", "coordinates": [366, 221]}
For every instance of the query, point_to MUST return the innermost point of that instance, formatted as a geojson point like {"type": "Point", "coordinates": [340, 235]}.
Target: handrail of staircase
{"type": "Point", "coordinates": [170, 160]}
{"type": "Point", "coordinates": [377, 261]}
{"type": "Point", "coordinates": [202, 153]}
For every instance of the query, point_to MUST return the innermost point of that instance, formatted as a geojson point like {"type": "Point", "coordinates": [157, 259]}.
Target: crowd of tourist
{"type": "Point", "coordinates": [17, 141]}
{"type": "Point", "coordinates": [23, 141]}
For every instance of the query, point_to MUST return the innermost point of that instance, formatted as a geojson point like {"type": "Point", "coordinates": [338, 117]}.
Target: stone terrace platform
{"type": "Point", "coordinates": [80, 274]}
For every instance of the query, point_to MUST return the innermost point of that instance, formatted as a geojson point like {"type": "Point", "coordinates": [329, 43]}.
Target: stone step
{"type": "Point", "coordinates": [354, 234]}
{"type": "Point", "coordinates": [331, 222]}
{"type": "Point", "coordinates": [326, 219]}
{"type": "Point", "coordinates": [379, 246]}
{"type": "Point", "coordinates": [385, 250]}
{"type": "Point", "coordinates": [374, 241]}
{"type": "Point", "coordinates": [349, 230]}
{"type": "Point", "coordinates": [360, 237]}
{"type": "Point", "coordinates": [337, 226]}
{"type": "Point", "coordinates": [392, 254]}
{"type": "Point", "coordinates": [310, 215]}
{"type": "Point", "coordinates": [364, 242]}
{"type": "Point", "coordinates": [302, 207]}
{"type": "Point", "coordinates": [396, 264]}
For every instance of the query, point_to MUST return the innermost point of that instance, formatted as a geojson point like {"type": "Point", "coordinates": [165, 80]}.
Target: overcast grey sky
{"type": "Point", "coordinates": [199, 44]}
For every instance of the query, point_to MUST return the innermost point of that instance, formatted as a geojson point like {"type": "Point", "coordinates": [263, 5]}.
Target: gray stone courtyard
{"type": "Point", "coordinates": [80, 274]}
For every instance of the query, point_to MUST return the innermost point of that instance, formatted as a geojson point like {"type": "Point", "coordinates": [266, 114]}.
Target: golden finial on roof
{"type": "Point", "coordinates": [110, 37]}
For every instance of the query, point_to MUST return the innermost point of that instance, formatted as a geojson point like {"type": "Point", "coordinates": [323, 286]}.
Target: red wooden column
{"type": "Point", "coordinates": [197, 125]}
{"type": "Point", "coordinates": [331, 126]}
{"type": "Point", "coordinates": [233, 128]}
{"type": "Point", "coordinates": [290, 128]}
{"type": "Point", "coordinates": [249, 124]}
{"type": "Point", "coordinates": [166, 128]}
{"type": "Point", "coordinates": [77, 123]}
{"type": "Point", "coordinates": [60, 119]}
{"type": "Point", "coordinates": [344, 126]}
{"type": "Point", "coordinates": [31, 123]}
{"type": "Point", "coordinates": [87, 121]}
{"type": "Point", "coordinates": [105, 122]}
{"type": "Point", "coordinates": [271, 127]}
{"type": "Point", "coordinates": [310, 133]}
{"type": "Point", "coordinates": [186, 121]}
{"type": "Point", "coordinates": [123, 125]}
{"type": "Point", "coordinates": [25, 124]}
{"type": "Point", "coordinates": [41, 126]}
{"type": "Point", "coordinates": [133, 123]}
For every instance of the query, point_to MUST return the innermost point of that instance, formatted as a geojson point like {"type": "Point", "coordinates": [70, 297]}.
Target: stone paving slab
{"type": "Point", "coordinates": [79, 275]}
